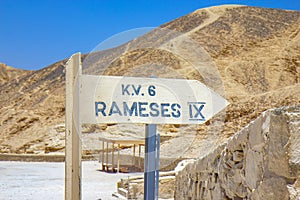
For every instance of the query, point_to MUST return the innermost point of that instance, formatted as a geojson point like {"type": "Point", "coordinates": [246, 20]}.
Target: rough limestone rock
{"type": "Point", "coordinates": [261, 161]}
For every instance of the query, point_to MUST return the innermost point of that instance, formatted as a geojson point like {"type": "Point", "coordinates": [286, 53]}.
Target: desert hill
{"type": "Point", "coordinates": [250, 55]}
{"type": "Point", "coordinates": [31, 103]}
{"type": "Point", "coordinates": [8, 73]}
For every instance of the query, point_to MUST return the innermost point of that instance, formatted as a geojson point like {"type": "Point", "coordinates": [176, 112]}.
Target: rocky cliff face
{"type": "Point", "coordinates": [259, 162]}
{"type": "Point", "coordinates": [255, 51]}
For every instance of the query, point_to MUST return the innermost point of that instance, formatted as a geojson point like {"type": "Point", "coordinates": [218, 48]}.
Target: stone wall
{"type": "Point", "coordinates": [261, 161]}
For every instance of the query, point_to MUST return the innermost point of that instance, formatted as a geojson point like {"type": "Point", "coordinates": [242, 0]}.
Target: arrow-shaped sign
{"type": "Point", "coordinates": [113, 99]}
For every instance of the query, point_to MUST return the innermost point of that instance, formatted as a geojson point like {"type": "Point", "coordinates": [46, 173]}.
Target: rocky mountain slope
{"type": "Point", "coordinates": [8, 73]}
{"type": "Point", "coordinates": [250, 55]}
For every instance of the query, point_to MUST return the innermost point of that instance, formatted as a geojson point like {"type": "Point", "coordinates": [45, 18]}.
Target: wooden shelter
{"type": "Point", "coordinates": [115, 145]}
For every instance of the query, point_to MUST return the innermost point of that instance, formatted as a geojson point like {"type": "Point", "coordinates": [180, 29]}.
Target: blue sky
{"type": "Point", "coordinates": [37, 33]}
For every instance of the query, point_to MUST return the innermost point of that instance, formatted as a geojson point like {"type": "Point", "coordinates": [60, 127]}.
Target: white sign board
{"type": "Point", "coordinates": [113, 99]}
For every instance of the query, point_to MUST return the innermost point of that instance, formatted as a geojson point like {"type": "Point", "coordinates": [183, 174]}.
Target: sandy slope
{"type": "Point", "coordinates": [35, 181]}
{"type": "Point", "coordinates": [250, 55]}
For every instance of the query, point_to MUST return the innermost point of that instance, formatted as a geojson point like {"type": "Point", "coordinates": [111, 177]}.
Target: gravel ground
{"type": "Point", "coordinates": [41, 180]}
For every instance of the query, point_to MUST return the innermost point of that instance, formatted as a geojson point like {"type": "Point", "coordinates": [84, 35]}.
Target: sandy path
{"type": "Point", "coordinates": [35, 181]}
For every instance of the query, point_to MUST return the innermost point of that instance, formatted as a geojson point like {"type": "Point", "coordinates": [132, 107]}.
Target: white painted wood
{"type": "Point", "coordinates": [73, 129]}
{"type": "Point", "coordinates": [162, 94]}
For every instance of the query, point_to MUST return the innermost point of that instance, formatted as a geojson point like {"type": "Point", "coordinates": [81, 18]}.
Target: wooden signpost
{"type": "Point", "coordinates": [73, 130]}
{"type": "Point", "coordinates": [112, 99]}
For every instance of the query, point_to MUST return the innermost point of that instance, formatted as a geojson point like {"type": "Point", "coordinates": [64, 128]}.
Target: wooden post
{"type": "Point", "coordinates": [103, 155]}
{"type": "Point", "coordinates": [118, 158]}
{"type": "Point", "coordinates": [106, 156]}
{"type": "Point", "coordinates": [133, 154]}
{"type": "Point", "coordinates": [73, 129]}
{"type": "Point", "coordinates": [139, 156]}
{"type": "Point", "coordinates": [112, 157]}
